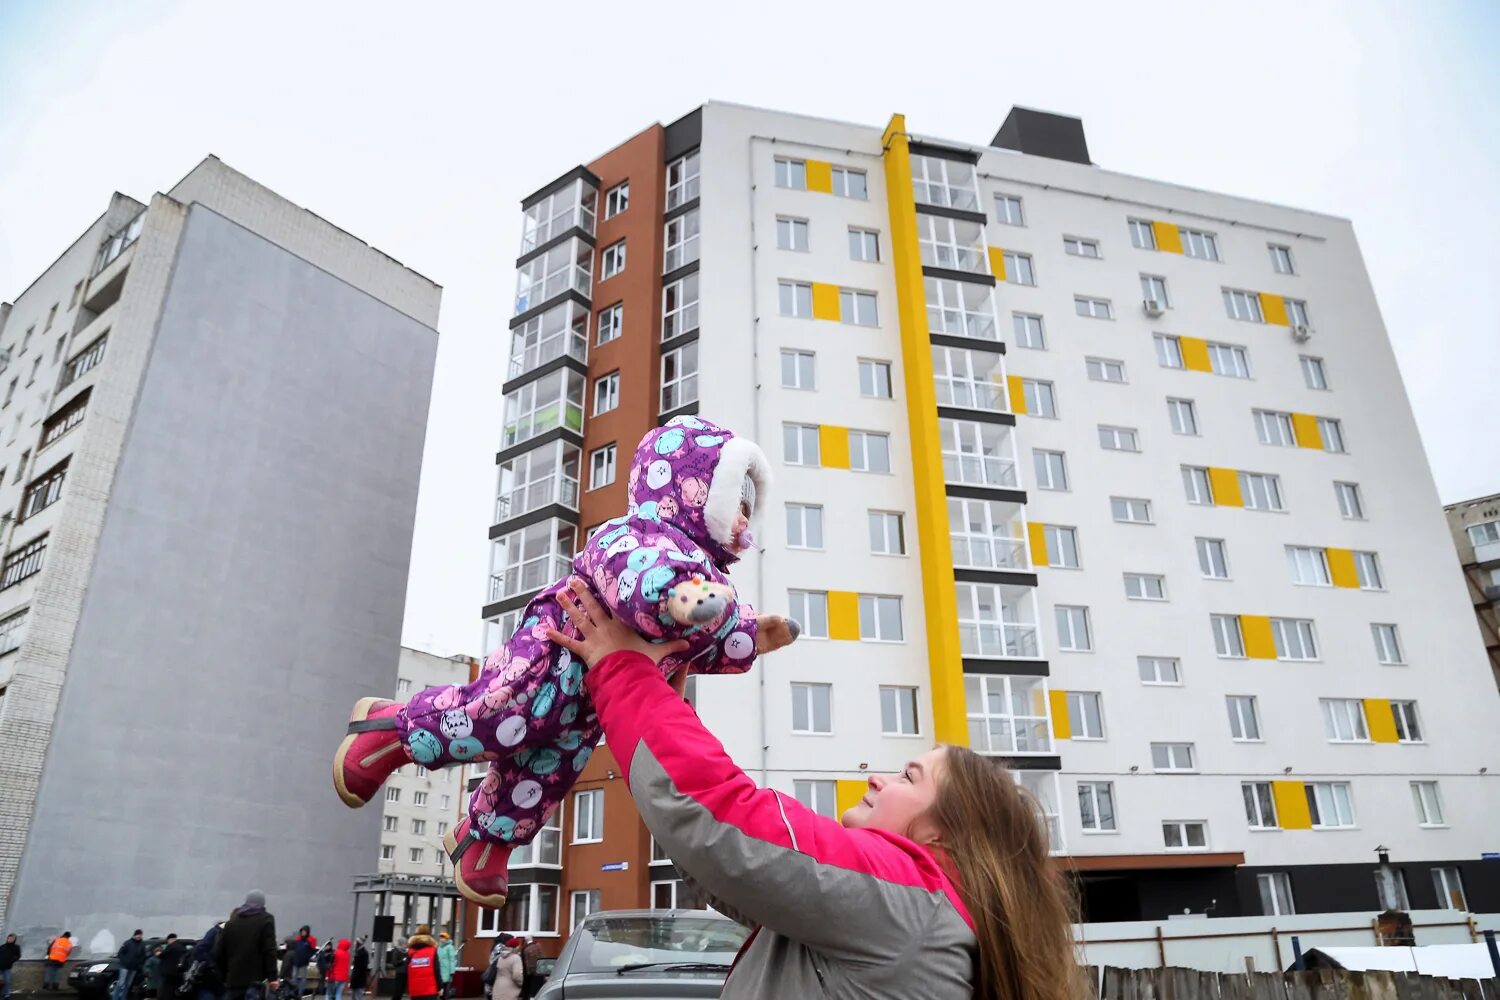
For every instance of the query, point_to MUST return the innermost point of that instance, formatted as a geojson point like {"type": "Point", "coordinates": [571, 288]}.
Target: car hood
{"type": "Point", "coordinates": [643, 985]}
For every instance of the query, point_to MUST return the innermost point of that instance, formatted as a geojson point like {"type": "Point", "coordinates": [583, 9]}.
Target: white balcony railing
{"type": "Point", "coordinates": [531, 575]}
{"type": "Point", "coordinates": [568, 265]}
{"type": "Point", "coordinates": [971, 394]}
{"type": "Point", "coordinates": [1011, 640]}
{"type": "Point", "coordinates": [528, 497]}
{"type": "Point", "coordinates": [990, 552]}
{"type": "Point", "coordinates": [971, 469]}
{"type": "Point", "coordinates": [557, 332]}
{"type": "Point", "coordinates": [1486, 551]}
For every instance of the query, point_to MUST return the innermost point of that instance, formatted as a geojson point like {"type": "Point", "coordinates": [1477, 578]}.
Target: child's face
{"type": "Point", "coordinates": [739, 536]}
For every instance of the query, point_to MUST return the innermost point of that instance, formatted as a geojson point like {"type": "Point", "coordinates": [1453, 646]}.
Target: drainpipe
{"type": "Point", "coordinates": [755, 421]}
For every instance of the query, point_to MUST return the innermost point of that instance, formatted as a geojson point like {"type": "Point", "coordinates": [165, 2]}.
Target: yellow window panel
{"type": "Point", "coordinates": [1341, 568]}
{"type": "Point", "coordinates": [825, 301]}
{"type": "Point", "coordinates": [1273, 308]}
{"type": "Point", "coordinates": [1305, 428]}
{"type": "Point", "coordinates": [1225, 484]}
{"type": "Point", "coordinates": [1062, 726]}
{"type": "Point", "coordinates": [1381, 720]}
{"type": "Point", "coordinates": [1291, 805]}
{"type": "Point", "coordinates": [1017, 394]}
{"type": "Point", "coordinates": [847, 794]}
{"type": "Point", "coordinates": [820, 176]}
{"type": "Point", "coordinates": [1036, 533]}
{"type": "Point", "coordinates": [833, 446]}
{"type": "Point", "coordinates": [843, 614]}
{"type": "Point", "coordinates": [997, 263]}
{"type": "Point", "coordinates": [1195, 354]}
{"type": "Point", "coordinates": [1255, 630]}
{"type": "Point", "coordinates": [1168, 237]}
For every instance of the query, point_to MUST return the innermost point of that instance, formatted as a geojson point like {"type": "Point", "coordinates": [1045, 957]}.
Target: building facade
{"type": "Point", "coordinates": [1111, 479]}
{"type": "Point", "coordinates": [213, 418]}
{"type": "Point", "coordinates": [1475, 525]}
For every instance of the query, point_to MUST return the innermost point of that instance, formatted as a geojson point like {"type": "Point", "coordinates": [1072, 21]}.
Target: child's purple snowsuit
{"type": "Point", "coordinates": [528, 713]}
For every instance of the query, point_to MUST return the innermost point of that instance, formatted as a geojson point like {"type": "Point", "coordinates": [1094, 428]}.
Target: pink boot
{"type": "Point", "coordinates": [480, 868]}
{"type": "Point", "coordinates": [369, 753]}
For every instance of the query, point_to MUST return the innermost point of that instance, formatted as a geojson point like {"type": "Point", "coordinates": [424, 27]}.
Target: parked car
{"type": "Point", "coordinates": [646, 955]}
{"type": "Point", "coordinates": [95, 980]}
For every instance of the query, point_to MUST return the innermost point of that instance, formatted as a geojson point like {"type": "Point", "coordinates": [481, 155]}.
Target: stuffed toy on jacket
{"type": "Point", "coordinates": [694, 491]}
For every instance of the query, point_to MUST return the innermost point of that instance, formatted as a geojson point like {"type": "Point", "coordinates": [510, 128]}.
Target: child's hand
{"type": "Point", "coordinates": [697, 601]}
{"type": "Point", "coordinates": [599, 633]}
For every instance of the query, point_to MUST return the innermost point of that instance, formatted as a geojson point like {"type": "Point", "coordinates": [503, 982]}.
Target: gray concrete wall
{"type": "Point", "coordinates": [249, 585]}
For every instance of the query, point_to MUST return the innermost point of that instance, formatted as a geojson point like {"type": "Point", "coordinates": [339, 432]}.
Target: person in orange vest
{"type": "Point", "coordinates": [421, 965]}
{"type": "Point", "coordinates": [57, 956]}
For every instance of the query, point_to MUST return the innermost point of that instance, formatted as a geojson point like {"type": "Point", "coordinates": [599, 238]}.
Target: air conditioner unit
{"type": "Point", "coordinates": [1153, 307]}
{"type": "Point", "coordinates": [1301, 332]}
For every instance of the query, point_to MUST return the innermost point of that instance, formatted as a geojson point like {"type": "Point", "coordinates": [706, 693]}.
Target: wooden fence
{"type": "Point", "coordinates": [1325, 984]}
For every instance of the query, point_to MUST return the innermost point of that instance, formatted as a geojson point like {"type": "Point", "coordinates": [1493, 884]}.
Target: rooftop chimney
{"type": "Point", "coordinates": [1041, 133]}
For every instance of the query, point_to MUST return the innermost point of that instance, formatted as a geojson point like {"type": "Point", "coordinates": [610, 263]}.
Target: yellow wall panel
{"type": "Point", "coordinates": [1341, 568]}
{"type": "Point", "coordinates": [1305, 428]}
{"type": "Point", "coordinates": [1291, 805]}
{"type": "Point", "coordinates": [825, 301]}
{"type": "Point", "coordinates": [1036, 533]}
{"type": "Point", "coordinates": [1168, 237]}
{"type": "Point", "coordinates": [820, 176]}
{"type": "Point", "coordinates": [1017, 394]}
{"type": "Point", "coordinates": [847, 794]}
{"type": "Point", "coordinates": [997, 263]}
{"type": "Point", "coordinates": [1273, 308]}
{"type": "Point", "coordinates": [1194, 354]}
{"type": "Point", "coordinates": [833, 446]}
{"type": "Point", "coordinates": [843, 614]}
{"type": "Point", "coordinates": [1062, 726]}
{"type": "Point", "coordinates": [1256, 631]}
{"type": "Point", "coordinates": [1226, 486]}
{"type": "Point", "coordinates": [1381, 720]}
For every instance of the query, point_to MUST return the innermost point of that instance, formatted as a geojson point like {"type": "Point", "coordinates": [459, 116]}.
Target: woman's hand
{"type": "Point", "coordinates": [600, 634]}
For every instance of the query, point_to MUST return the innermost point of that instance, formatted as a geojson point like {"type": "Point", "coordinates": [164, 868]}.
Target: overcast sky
{"type": "Point", "coordinates": [420, 134]}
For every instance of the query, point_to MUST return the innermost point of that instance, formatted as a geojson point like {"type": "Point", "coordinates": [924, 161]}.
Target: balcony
{"type": "Point", "coordinates": [953, 244]}
{"type": "Point", "coordinates": [1007, 714]}
{"type": "Point", "coordinates": [562, 330]}
{"type": "Point", "coordinates": [976, 453]}
{"type": "Point", "coordinates": [569, 266]}
{"type": "Point", "coordinates": [971, 380]}
{"type": "Point", "coordinates": [961, 309]}
{"type": "Point", "coordinates": [552, 401]}
{"type": "Point", "coordinates": [536, 479]}
{"type": "Point", "coordinates": [944, 183]}
{"type": "Point", "coordinates": [558, 212]}
{"type": "Point", "coordinates": [1486, 552]}
{"type": "Point", "coordinates": [988, 535]}
{"type": "Point", "coordinates": [998, 621]}
{"type": "Point", "coordinates": [524, 561]}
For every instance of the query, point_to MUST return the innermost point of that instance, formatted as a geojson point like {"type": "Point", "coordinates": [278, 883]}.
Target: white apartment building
{"type": "Point", "coordinates": [1112, 479]}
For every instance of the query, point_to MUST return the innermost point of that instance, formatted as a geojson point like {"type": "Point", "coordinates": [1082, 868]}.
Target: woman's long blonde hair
{"type": "Point", "coordinates": [1021, 904]}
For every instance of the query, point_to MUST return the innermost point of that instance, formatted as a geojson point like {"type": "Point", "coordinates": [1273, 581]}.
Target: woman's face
{"type": "Point", "coordinates": [900, 803]}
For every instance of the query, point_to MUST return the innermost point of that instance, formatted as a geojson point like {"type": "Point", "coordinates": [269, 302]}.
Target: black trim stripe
{"type": "Point", "coordinates": [952, 213]}
{"type": "Point", "coordinates": [572, 293]}
{"type": "Point", "coordinates": [557, 185]}
{"type": "Point", "coordinates": [1019, 668]}
{"type": "Point", "coordinates": [1008, 577]}
{"type": "Point", "coordinates": [563, 237]}
{"type": "Point", "coordinates": [973, 277]}
{"type": "Point", "coordinates": [1001, 493]}
{"type": "Point", "coordinates": [968, 343]}
{"type": "Point", "coordinates": [686, 409]}
{"type": "Point", "coordinates": [535, 875]}
{"type": "Point", "coordinates": [983, 416]}
{"type": "Point", "coordinates": [920, 148]}
{"type": "Point", "coordinates": [546, 437]}
{"type": "Point", "coordinates": [681, 340]}
{"type": "Point", "coordinates": [509, 604]}
{"type": "Point", "coordinates": [526, 520]}
{"type": "Point", "coordinates": [678, 273]}
{"type": "Point", "coordinates": [1027, 762]}
{"type": "Point", "coordinates": [541, 371]}
{"type": "Point", "coordinates": [681, 210]}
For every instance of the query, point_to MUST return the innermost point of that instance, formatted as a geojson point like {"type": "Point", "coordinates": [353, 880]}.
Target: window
{"type": "Point", "coordinates": [25, 455]}
{"type": "Point", "coordinates": [23, 562]}
{"type": "Point", "coordinates": [606, 393]}
{"type": "Point", "coordinates": [1096, 806]}
{"type": "Point", "coordinates": [1296, 312]}
{"type": "Point", "coordinates": [1086, 715]}
{"type": "Point", "coordinates": [13, 632]}
{"type": "Point", "coordinates": [1184, 416]}
{"type": "Point", "coordinates": [1158, 670]}
{"type": "Point", "coordinates": [857, 308]}
{"type": "Point", "coordinates": [1260, 802]}
{"type": "Point", "coordinates": [887, 533]}
{"type": "Point", "coordinates": [812, 708]}
{"type": "Point", "coordinates": [616, 200]}
{"type": "Point", "coordinates": [387, 852]}
{"type": "Point", "coordinates": [529, 909]}
{"type": "Point", "coordinates": [1062, 546]}
{"type": "Point", "coordinates": [1154, 290]}
{"type": "Point", "coordinates": [1184, 835]}
{"type": "Point", "coordinates": [1028, 331]}
{"type": "Point", "coordinates": [44, 491]}
{"type": "Point", "coordinates": [682, 180]}
{"type": "Point", "coordinates": [1294, 639]}
{"type": "Point", "coordinates": [1006, 714]}
{"type": "Point", "coordinates": [791, 234]}
{"type": "Point", "coordinates": [1275, 893]}
{"type": "Point", "coordinates": [1213, 558]}
{"type": "Point", "coordinates": [869, 451]}
{"type": "Point", "coordinates": [1313, 373]}
{"type": "Point", "coordinates": [1344, 720]}
{"type": "Point", "coordinates": [1145, 587]}
{"type": "Point", "coordinates": [1351, 504]}
{"type": "Point", "coordinates": [1367, 568]}
{"type": "Point", "coordinates": [849, 183]}
{"type": "Point", "coordinates": [1129, 510]}
{"type": "Point", "coordinates": [679, 377]}
{"type": "Point", "coordinates": [10, 393]}
{"type": "Point", "coordinates": [1330, 804]}
{"type": "Point", "coordinates": [391, 824]}
{"type": "Point", "coordinates": [1450, 889]}
{"type": "Point", "coordinates": [588, 816]}
{"type": "Point", "coordinates": [1228, 360]}
{"type": "Point", "coordinates": [681, 242]}
{"type": "Point", "coordinates": [810, 609]}
{"type": "Point", "coordinates": [1274, 428]}
{"type": "Point", "coordinates": [1204, 246]}
{"type": "Point", "coordinates": [874, 379]}
{"type": "Point", "coordinates": [1332, 433]}
{"type": "Point", "coordinates": [1261, 491]}
{"type": "Point", "coordinates": [1244, 720]}
{"type": "Point", "coordinates": [795, 299]}
{"type": "Point", "coordinates": [898, 711]}
{"type": "Point", "coordinates": [1118, 439]}
{"type": "Point", "coordinates": [1077, 247]}
{"type": "Point", "coordinates": [864, 245]}
{"type": "Point", "coordinates": [1051, 469]}
{"type": "Point", "coordinates": [1228, 641]}
{"type": "Point", "coordinates": [545, 849]}
{"type": "Point", "coordinates": [1142, 236]}
{"type": "Point", "coordinates": [611, 322]}
{"type": "Point", "coordinates": [1387, 644]}
{"type": "Point", "coordinates": [418, 799]}
{"type": "Point", "coordinates": [880, 618]}
{"type": "Point", "coordinates": [799, 444]}
{"type": "Point", "coordinates": [1073, 629]}
{"type": "Point", "coordinates": [798, 369]}
{"type": "Point", "coordinates": [819, 796]}
{"type": "Point", "coordinates": [1040, 401]}
{"type": "Point", "coordinates": [1018, 268]}
{"type": "Point", "coordinates": [612, 261]}
{"type": "Point", "coordinates": [36, 363]}
{"type": "Point", "coordinates": [804, 526]}
{"type": "Point", "coordinates": [602, 467]}
{"type": "Point", "coordinates": [1093, 308]}
{"type": "Point", "coordinates": [1008, 210]}
{"type": "Point", "coordinates": [581, 902]}
{"type": "Point", "coordinates": [1104, 370]}
{"type": "Point", "coordinates": [1173, 757]}
{"type": "Point", "coordinates": [679, 307]}
{"type": "Point", "coordinates": [1408, 728]}
{"type": "Point", "coordinates": [791, 174]}
{"type": "Point", "coordinates": [392, 794]}
{"type": "Point", "coordinates": [1168, 350]}
{"type": "Point", "coordinates": [445, 803]}
{"type": "Point", "coordinates": [419, 828]}
{"type": "Point", "coordinates": [1242, 305]}
{"type": "Point", "coordinates": [62, 343]}
{"type": "Point", "coordinates": [1309, 566]}
{"type": "Point", "coordinates": [1281, 259]}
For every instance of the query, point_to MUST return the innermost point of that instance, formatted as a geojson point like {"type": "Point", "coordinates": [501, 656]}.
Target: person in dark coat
{"type": "Point", "coordinates": [245, 950]}
{"type": "Point", "coordinates": [300, 952]}
{"type": "Point", "coordinates": [132, 959]}
{"type": "Point", "coordinates": [359, 973]}
{"type": "Point", "coordinates": [324, 962]}
{"type": "Point", "coordinates": [395, 960]}
{"type": "Point", "coordinates": [174, 957]}
{"type": "Point", "coordinates": [207, 981]}
{"type": "Point", "coordinates": [10, 954]}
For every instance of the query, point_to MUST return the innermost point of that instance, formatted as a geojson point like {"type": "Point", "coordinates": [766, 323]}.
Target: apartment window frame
{"type": "Point", "coordinates": [876, 621]}
{"type": "Point", "coordinates": [1262, 491]}
{"type": "Point", "coordinates": [1388, 644]}
{"type": "Point", "coordinates": [1066, 545]}
{"type": "Point", "coordinates": [1260, 805]}
{"type": "Point", "coordinates": [864, 245]}
{"type": "Point", "coordinates": [1274, 428]}
{"type": "Point", "coordinates": [1448, 883]}
{"type": "Point", "coordinates": [1010, 209]}
{"type": "Point", "coordinates": [807, 520]}
{"type": "Point", "coordinates": [991, 703]}
{"type": "Point", "coordinates": [1168, 350]}
{"type": "Point", "coordinates": [808, 451]}
{"type": "Point", "coordinates": [1093, 307]}
{"type": "Point", "coordinates": [1081, 246]}
{"type": "Point", "coordinates": [1157, 663]}
{"type": "Point", "coordinates": [858, 307]}
{"type": "Point", "coordinates": [1055, 466]}
{"type": "Point", "coordinates": [1028, 334]}
{"type": "Point", "coordinates": [1213, 557]}
{"type": "Point", "coordinates": [1182, 414]}
{"type": "Point", "coordinates": [1041, 398]}
{"type": "Point", "coordinates": [1244, 718]}
{"type": "Point", "coordinates": [850, 182]}
{"type": "Point", "coordinates": [1123, 510]}
{"type": "Point", "coordinates": [419, 828]}
{"type": "Point", "coordinates": [607, 392]}
{"type": "Point", "coordinates": [684, 180]}
{"type": "Point", "coordinates": [1182, 831]}
{"type": "Point", "coordinates": [1098, 815]}
{"type": "Point", "coordinates": [1145, 587]}
{"type": "Point", "coordinates": [611, 324]}
{"type": "Point", "coordinates": [1331, 799]}
{"type": "Point", "coordinates": [1086, 716]}
{"type": "Point", "coordinates": [679, 307]}
{"type": "Point", "coordinates": [617, 199]}
{"type": "Point", "coordinates": [681, 241]}
{"type": "Point", "coordinates": [612, 260]}
{"type": "Point", "coordinates": [1309, 566]}
{"type": "Point", "coordinates": [1407, 719]}
{"type": "Point", "coordinates": [1228, 360]}
{"type": "Point", "coordinates": [1367, 570]}
{"type": "Point", "coordinates": [809, 608]}
{"type": "Point", "coordinates": [84, 361]}
{"type": "Point", "coordinates": [588, 816]}
{"type": "Point", "coordinates": [1154, 289]}
{"type": "Point", "coordinates": [1295, 635]}
{"type": "Point", "coordinates": [1113, 438]}
{"type": "Point", "coordinates": [1104, 370]}
{"type": "Point", "coordinates": [23, 562]}
{"type": "Point", "coordinates": [602, 466]}
{"type": "Point", "coordinates": [865, 446]}
{"type": "Point", "coordinates": [581, 904]}
{"type": "Point", "coordinates": [1331, 431]}
{"type": "Point", "coordinates": [818, 794]}
{"type": "Point", "coordinates": [1075, 632]}
{"type": "Point", "coordinates": [888, 527]}
{"type": "Point", "coordinates": [790, 173]}
{"type": "Point", "coordinates": [802, 374]}
{"type": "Point", "coordinates": [1344, 720]}
{"type": "Point", "coordinates": [1229, 639]}
{"type": "Point", "coordinates": [1350, 499]}
{"type": "Point", "coordinates": [1199, 244]}
{"type": "Point", "coordinates": [1243, 305]}
{"type": "Point", "coordinates": [1174, 757]}
{"type": "Point", "coordinates": [899, 713]}
{"type": "Point", "coordinates": [43, 491]}
{"type": "Point", "coordinates": [1020, 268]}
{"type": "Point", "coordinates": [814, 703]}
{"type": "Point", "coordinates": [1142, 234]}
{"type": "Point", "coordinates": [1314, 372]}
{"type": "Point", "coordinates": [791, 233]}
{"type": "Point", "coordinates": [1281, 258]}
{"type": "Point", "coordinates": [1296, 312]}
{"type": "Point", "coordinates": [13, 629]}
{"type": "Point", "coordinates": [794, 299]}
{"type": "Point", "coordinates": [679, 377]}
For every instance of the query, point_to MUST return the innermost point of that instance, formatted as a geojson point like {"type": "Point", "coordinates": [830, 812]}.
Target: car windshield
{"type": "Point", "coordinates": [610, 943]}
